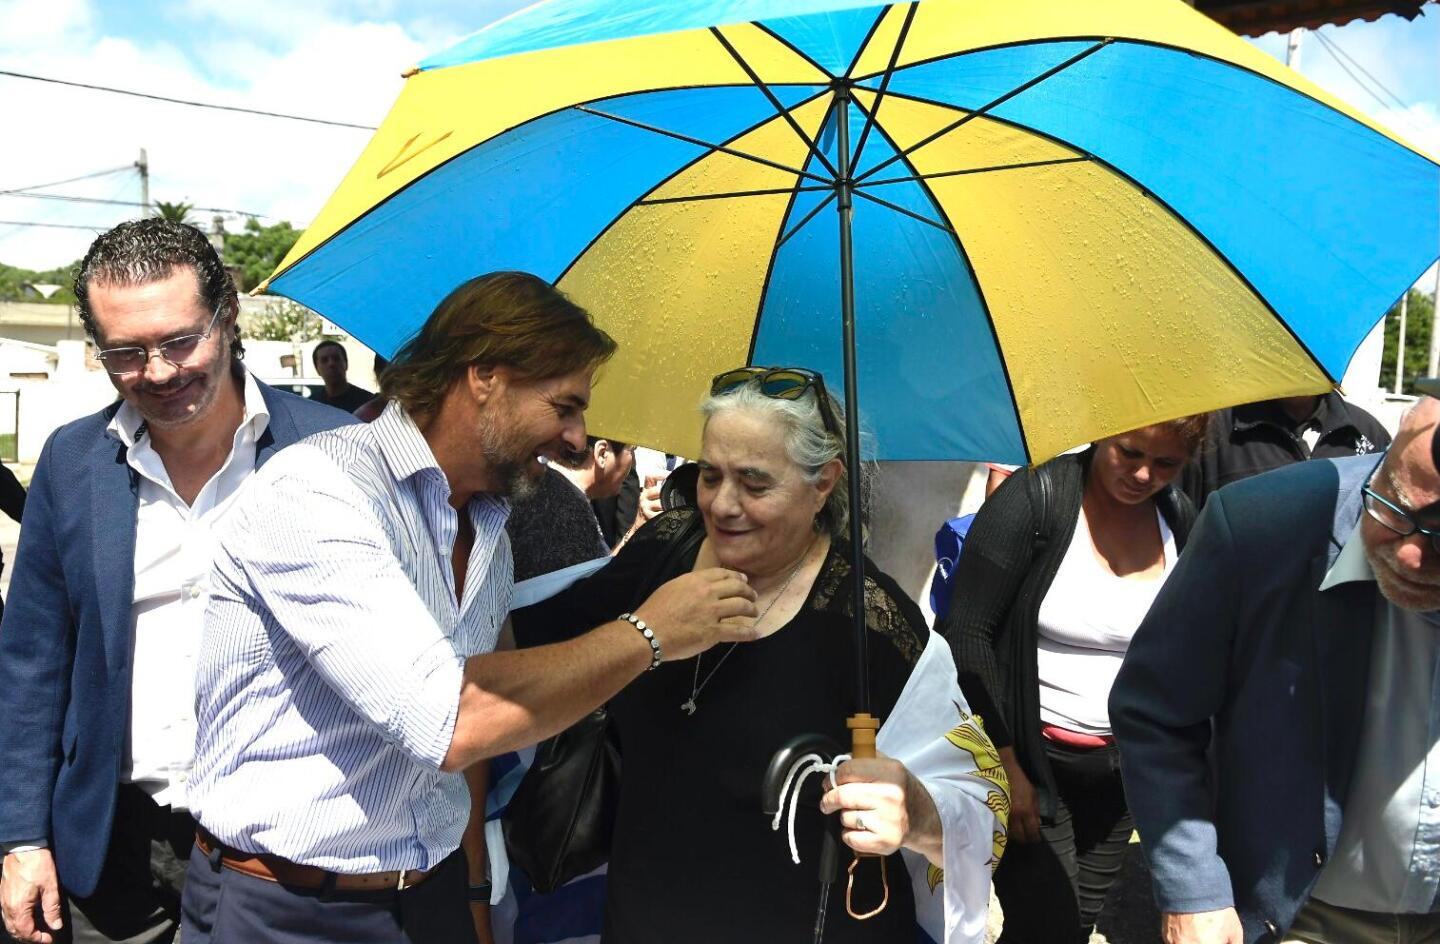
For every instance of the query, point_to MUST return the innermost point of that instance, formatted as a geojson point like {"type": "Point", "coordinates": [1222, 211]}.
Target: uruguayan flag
{"type": "Point", "coordinates": [931, 731]}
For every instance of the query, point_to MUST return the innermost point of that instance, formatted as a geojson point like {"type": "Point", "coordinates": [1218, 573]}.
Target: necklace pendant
{"type": "Point", "coordinates": [689, 706]}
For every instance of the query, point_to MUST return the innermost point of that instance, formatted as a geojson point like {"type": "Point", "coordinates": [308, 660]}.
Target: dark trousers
{"type": "Point", "coordinates": [137, 899]}
{"type": "Point", "coordinates": [1052, 891]}
{"type": "Point", "coordinates": [223, 906]}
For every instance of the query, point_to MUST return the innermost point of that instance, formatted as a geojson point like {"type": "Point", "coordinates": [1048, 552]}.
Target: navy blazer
{"type": "Point", "coordinates": [1242, 656]}
{"type": "Point", "coordinates": [65, 642]}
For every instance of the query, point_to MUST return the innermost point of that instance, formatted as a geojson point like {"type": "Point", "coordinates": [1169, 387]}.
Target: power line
{"type": "Point", "coordinates": [68, 198]}
{"type": "Point", "coordinates": [93, 229]}
{"type": "Point", "coordinates": [1335, 53]}
{"type": "Point", "coordinates": [1334, 44]}
{"type": "Point", "coordinates": [71, 180]}
{"type": "Point", "coordinates": [181, 101]}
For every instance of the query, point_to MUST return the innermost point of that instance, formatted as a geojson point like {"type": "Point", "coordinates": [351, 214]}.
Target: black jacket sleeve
{"type": "Point", "coordinates": [996, 558]}
{"type": "Point", "coordinates": [12, 494]}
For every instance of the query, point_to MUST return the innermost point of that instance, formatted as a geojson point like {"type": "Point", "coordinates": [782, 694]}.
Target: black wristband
{"type": "Point", "coordinates": [480, 893]}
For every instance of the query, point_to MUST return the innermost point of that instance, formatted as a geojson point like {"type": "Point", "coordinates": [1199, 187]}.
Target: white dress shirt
{"type": "Point", "coordinates": [174, 543]}
{"type": "Point", "coordinates": [1387, 857]}
{"type": "Point", "coordinates": [330, 671]}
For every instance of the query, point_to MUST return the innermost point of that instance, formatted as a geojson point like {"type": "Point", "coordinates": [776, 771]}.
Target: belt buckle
{"type": "Point", "coordinates": [400, 885]}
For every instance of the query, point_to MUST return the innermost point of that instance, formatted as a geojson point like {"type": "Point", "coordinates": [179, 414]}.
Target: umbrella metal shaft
{"type": "Point", "coordinates": [844, 191]}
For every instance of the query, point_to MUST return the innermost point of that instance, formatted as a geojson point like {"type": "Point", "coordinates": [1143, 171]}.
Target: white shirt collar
{"type": "Point", "coordinates": [127, 423]}
{"type": "Point", "coordinates": [1352, 565]}
{"type": "Point", "coordinates": [408, 453]}
{"type": "Point", "coordinates": [402, 443]}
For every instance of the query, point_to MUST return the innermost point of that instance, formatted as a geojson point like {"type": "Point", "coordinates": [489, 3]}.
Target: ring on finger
{"type": "Point", "coordinates": [860, 823]}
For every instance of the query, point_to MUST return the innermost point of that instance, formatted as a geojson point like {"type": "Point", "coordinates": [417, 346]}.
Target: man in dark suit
{"type": "Point", "coordinates": [1278, 713]}
{"type": "Point", "coordinates": [108, 595]}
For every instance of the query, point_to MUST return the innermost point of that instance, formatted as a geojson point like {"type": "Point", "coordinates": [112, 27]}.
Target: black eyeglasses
{"type": "Point", "coordinates": [1392, 516]}
{"type": "Point", "coordinates": [178, 351]}
{"type": "Point", "coordinates": [779, 383]}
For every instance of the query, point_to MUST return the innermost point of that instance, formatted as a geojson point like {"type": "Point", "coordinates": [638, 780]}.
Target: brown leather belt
{"type": "Point", "coordinates": [272, 868]}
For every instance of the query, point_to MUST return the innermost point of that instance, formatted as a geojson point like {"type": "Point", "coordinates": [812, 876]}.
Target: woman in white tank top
{"type": "Point", "coordinates": [1059, 568]}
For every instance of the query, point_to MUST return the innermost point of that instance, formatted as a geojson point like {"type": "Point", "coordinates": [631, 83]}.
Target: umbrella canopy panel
{"type": "Point", "coordinates": [1070, 218]}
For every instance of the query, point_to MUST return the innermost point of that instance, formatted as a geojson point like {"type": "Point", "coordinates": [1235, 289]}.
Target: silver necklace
{"type": "Point", "coordinates": [696, 685]}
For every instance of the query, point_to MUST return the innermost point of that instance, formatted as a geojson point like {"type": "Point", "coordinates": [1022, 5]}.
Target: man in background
{"type": "Point", "coordinates": [1257, 437]}
{"type": "Point", "coordinates": [331, 363]}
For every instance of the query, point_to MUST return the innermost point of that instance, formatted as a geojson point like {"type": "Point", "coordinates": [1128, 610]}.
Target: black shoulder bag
{"type": "Point", "coordinates": [560, 821]}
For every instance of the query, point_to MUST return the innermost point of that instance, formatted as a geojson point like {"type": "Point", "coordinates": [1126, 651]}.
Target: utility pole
{"type": "Point", "coordinates": [1400, 343]}
{"type": "Point", "coordinates": [143, 166]}
{"type": "Point", "coordinates": [1292, 48]}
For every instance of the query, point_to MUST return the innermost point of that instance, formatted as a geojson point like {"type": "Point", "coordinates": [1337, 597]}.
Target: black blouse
{"type": "Point", "coordinates": [694, 858]}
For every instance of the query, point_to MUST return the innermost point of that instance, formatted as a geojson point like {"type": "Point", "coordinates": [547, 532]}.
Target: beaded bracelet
{"type": "Point", "coordinates": [649, 635]}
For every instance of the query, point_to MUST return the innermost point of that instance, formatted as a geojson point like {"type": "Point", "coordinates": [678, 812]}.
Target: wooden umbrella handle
{"type": "Point", "coordinates": [863, 729]}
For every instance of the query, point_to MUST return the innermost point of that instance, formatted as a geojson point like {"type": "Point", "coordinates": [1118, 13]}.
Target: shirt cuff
{"type": "Point", "coordinates": [24, 845]}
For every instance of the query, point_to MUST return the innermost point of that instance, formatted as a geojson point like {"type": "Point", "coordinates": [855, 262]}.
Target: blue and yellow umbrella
{"type": "Point", "coordinates": [1068, 218]}
{"type": "Point", "coordinates": [1039, 222]}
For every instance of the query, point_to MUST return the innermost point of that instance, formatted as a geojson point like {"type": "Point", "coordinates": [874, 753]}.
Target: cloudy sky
{"type": "Point", "coordinates": [341, 60]}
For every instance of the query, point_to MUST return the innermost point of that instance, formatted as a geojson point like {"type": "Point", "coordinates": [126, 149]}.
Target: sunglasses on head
{"type": "Point", "coordinates": [779, 383]}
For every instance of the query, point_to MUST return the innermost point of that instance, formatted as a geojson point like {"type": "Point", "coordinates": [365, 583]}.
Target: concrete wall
{"type": "Point", "coordinates": [72, 391]}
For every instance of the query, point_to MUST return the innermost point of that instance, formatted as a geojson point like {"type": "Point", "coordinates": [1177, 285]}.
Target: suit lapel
{"type": "Point", "coordinates": [1343, 619]}
{"type": "Point", "coordinates": [279, 431]}
{"type": "Point", "coordinates": [115, 500]}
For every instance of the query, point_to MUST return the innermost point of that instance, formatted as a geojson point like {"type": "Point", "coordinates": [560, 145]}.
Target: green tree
{"type": "Point", "coordinates": [258, 250]}
{"type": "Point", "coordinates": [174, 212]}
{"type": "Point", "coordinates": [1418, 323]}
{"type": "Point", "coordinates": [13, 281]}
{"type": "Point", "coordinates": [282, 320]}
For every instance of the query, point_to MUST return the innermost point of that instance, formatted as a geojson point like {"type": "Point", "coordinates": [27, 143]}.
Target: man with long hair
{"type": "Point", "coordinates": [349, 675]}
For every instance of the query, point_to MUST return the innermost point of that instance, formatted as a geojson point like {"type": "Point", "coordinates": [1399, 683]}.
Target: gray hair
{"type": "Point", "coordinates": [808, 443]}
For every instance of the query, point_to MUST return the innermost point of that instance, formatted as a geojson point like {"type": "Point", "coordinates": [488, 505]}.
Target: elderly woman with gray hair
{"type": "Point", "coordinates": [693, 858]}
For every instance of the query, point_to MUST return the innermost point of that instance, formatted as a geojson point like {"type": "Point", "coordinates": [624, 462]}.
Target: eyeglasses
{"type": "Point", "coordinates": [779, 383]}
{"type": "Point", "coordinates": [177, 352]}
{"type": "Point", "coordinates": [1392, 516]}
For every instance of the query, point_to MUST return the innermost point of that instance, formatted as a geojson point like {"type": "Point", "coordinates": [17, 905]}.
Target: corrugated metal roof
{"type": "Point", "coordinates": [1257, 17]}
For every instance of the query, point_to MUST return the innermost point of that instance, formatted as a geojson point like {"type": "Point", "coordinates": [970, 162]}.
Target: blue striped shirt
{"type": "Point", "coordinates": [330, 670]}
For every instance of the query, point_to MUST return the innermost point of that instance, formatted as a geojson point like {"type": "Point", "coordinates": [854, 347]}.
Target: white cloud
{"type": "Point", "coordinates": [28, 23]}
{"type": "Point", "coordinates": [329, 68]}
{"type": "Point", "coordinates": [336, 59]}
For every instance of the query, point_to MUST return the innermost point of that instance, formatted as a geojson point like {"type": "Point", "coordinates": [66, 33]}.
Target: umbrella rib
{"type": "Point", "coordinates": [975, 170]}
{"type": "Point", "coordinates": [884, 84]}
{"type": "Point", "coordinates": [807, 218]}
{"type": "Point", "coordinates": [811, 143]}
{"type": "Point", "coordinates": [723, 196]}
{"type": "Point", "coordinates": [910, 213]}
{"type": "Point", "coordinates": [755, 158]}
{"type": "Point", "coordinates": [1048, 73]}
